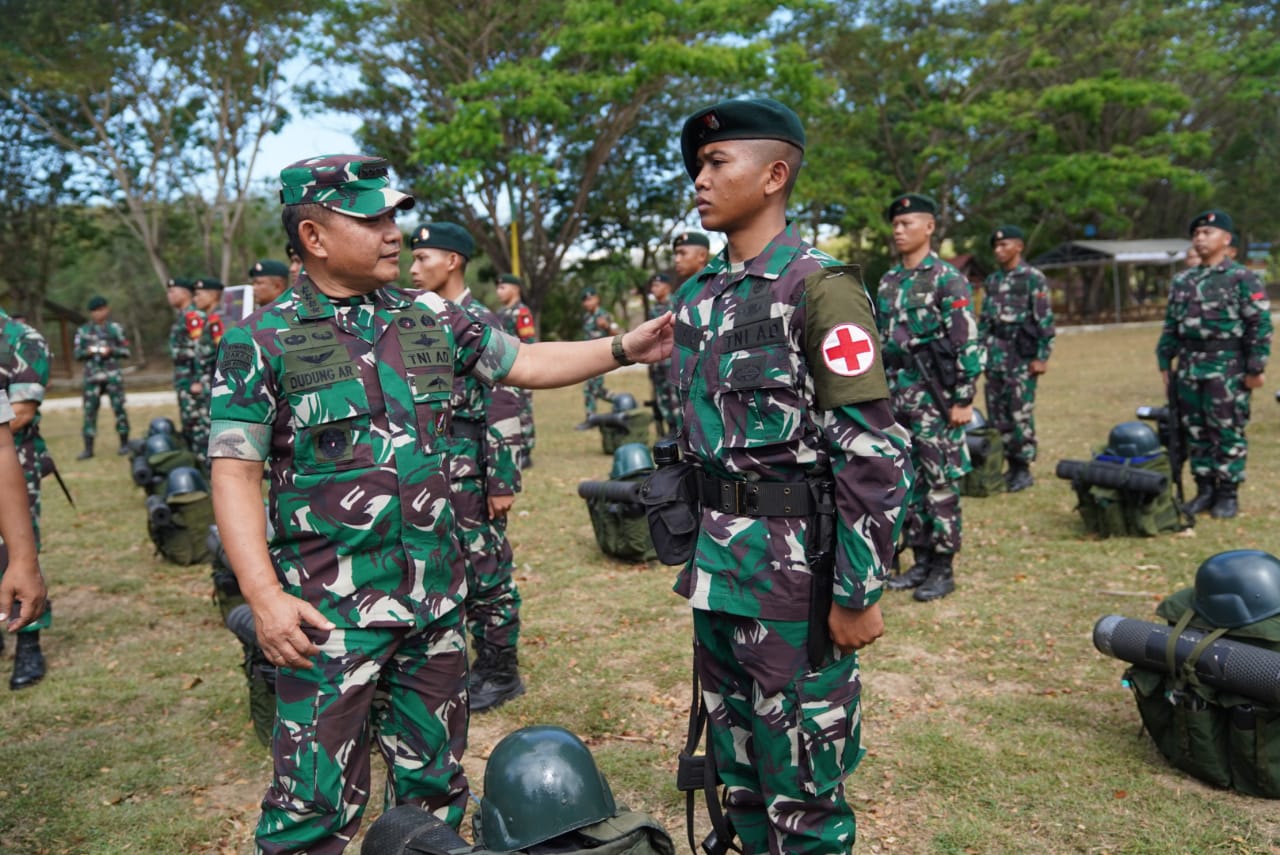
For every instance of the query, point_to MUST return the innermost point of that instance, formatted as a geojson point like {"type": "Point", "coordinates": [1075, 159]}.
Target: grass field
{"type": "Point", "coordinates": [992, 725]}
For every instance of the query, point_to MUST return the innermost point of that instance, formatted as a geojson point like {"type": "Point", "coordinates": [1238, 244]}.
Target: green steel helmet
{"type": "Point", "coordinates": [977, 421]}
{"type": "Point", "coordinates": [624, 401]}
{"type": "Point", "coordinates": [159, 443]}
{"type": "Point", "coordinates": [185, 484]}
{"type": "Point", "coordinates": [161, 424]}
{"type": "Point", "coordinates": [540, 782]}
{"type": "Point", "coordinates": [1132, 439]}
{"type": "Point", "coordinates": [1238, 587]}
{"type": "Point", "coordinates": [630, 458]}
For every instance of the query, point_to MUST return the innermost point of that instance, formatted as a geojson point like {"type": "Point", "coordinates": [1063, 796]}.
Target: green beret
{"type": "Point", "coordinates": [269, 267]}
{"type": "Point", "coordinates": [738, 119]}
{"type": "Point", "coordinates": [1007, 233]}
{"type": "Point", "coordinates": [510, 279]}
{"type": "Point", "coordinates": [588, 292]}
{"type": "Point", "coordinates": [660, 277]}
{"type": "Point", "coordinates": [447, 236]}
{"type": "Point", "coordinates": [691, 239]}
{"type": "Point", "coordinates": [182, 282]}
{"type": "Point", "coordinates": [350, 184]}
{"type": "Point", "coordinates": [208, 284]}
{"type": "Point", "coordinates": [97, 301]}
{"type": "Point", "coordinates": [910, 203]}
{"type": "Point", "coordinates": [1215, 219]}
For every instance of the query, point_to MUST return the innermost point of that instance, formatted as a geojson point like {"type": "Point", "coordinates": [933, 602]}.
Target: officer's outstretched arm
{"type": "Point", "coordinates": [277, 616]}
{"type": "Point", "coordinates": [549, 364]}
{"type": "Point", "coordinates": [21, 580]}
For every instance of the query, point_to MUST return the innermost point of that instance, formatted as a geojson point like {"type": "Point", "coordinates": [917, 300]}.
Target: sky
{"type": "Point", "coordinates": [305, 136]}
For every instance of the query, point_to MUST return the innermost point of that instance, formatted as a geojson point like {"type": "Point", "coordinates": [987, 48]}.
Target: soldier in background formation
{"type": "Point", "coordinates": [1016, 328]}
{"type": "Point", "coordinates": [517, 320]}
{"type": "Point", "coordinates": [100, 345]}
{"type": "Point", "coordinates": [933, 360]}
{"type": "Point", "coordinates": [295, 262]}
{"type": "Point", "coordinates": [24, 355]}
{"type": "Point", "coordinates": [1218, 329]}
{"type": "Point", "coordinates": [665, 393]}
{"type": "Point", "coordinates": [184, 340]}
{"type": "Point", "coordinates": [484, 477]}
{"type": "Point", "coordinates": [22, 587]}
{"type": "Point", "coordinates": [690, 251]}
{"type": "Point", "coordinates": [596, 324]}
{"type": "Point", "coordinates": [269, 280]}
{"type": "Point", "coordinates": [208, 300]}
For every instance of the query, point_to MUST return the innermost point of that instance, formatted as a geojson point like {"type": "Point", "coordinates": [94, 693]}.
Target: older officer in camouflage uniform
{"type": "Point", "coordinates": [26, 357]}
{"type": "Point", "coordinates": [517, 320]}
{"type": "Point", "coordinates": [184, 338]}
{"type": "Point", "coordinates": [100, 345]}
{"type": "Point", "coordinates": [664, 391]}
{"type": "Point", "coordinates": [927, 327]}
{"type": "Point", "coordinates": [343, 388]}
{"type": "Point", "coordinates": [483, 477]}
{"type": "Point", "coordinates": [1016, 328]}
{"type": "Point", "coordinates": [596, 324]}
{"type": "Point", "coordinates": [786, 414]}
{"type": "Point", "coordinates": [1218, 328]}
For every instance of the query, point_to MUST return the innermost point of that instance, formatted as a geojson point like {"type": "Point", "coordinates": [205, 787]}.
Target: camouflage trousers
{"type": "Point", "coordinates": [941, 459]}
{"type": "Point", "coordinates": [592, 391]}
{"type": "Point", "coordinates": [666, 394]}
{"type": "Point", "coordinates": [784, 736]}
{"type": "Point", "coordinates": [528, 435]}
{"type": "Point", "coordinates": [1215, 412]}
{"type": "Point", "coordinates": [1011, 402]}
{"type": "Point", "coordinates": [406, 689]}
{"type": "Point", "coordinates": [29, 450]}
{"type": "Point", "coordinates": [111, 385]}
{"type": "Point", "coordinates": [493, 603]}
{"type": "Point", "coordinates": [195, 426]}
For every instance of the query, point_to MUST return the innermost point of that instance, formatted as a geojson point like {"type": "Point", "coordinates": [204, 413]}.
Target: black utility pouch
{"type": "Point", "coordinates": [1026, 341]}
{"type": "Point", "coordinates": [674, 511]}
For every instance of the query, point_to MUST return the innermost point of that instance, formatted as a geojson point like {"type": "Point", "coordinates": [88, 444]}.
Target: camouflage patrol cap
{"type": "Point", "coordinates": [738, 119]}
{"type": "Point", "coordinates": [447, 236]}
{"type": "Point", "coordinates": [911, 203]}
{"type": "Point", "coordinates": [351, 184]}
{"type": "Point", "coordinates": [1007, 233]}
{"type": "Point", "coordinates": [269, 267]}
{"type": "Point", "coordinates": [182, 282]}
{"type": "Point", "coordinates": [208, 283]}
{"type": "Point", "coordinates": [97, 301]}
{"type": "Point", "coordinates": [691, 239]}
{"type": "Point", "coordinates": [1214, 219]}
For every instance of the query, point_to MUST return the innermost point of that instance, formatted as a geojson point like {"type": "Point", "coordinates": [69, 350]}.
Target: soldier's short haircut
{"type": "Point", "coordinates": [291, 216]}
{"type": "Point", "coordinates": [770, 150]}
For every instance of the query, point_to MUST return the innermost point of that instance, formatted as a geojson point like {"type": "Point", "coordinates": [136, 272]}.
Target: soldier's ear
{"type": "Point", "coordinates": [312, 235]}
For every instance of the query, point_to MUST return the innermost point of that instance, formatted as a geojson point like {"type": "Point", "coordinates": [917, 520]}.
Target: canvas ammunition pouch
{"type": "Point", "coordinates": [1118, 512]}
{"type": "Point", "coordinates": [672, 503]}
{"type": "Point", "coordinates": [621, 525]}
{"type": "Point", "coordinates": [986, 452]}
{"type": "Point", "coordinates": [1221, 738]}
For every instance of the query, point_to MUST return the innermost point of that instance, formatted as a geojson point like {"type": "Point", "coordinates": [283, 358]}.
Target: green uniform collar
{"type": "Point", "coordinates": [769, 264]}
{"type": "Point", "coordinates": [314, 305]}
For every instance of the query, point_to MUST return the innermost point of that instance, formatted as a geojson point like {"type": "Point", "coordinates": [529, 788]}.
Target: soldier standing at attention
{"type": "Point", "coordinates": [787, 421]}
{"type": "Point", "coordinates": [1218, 327]}
{"type": "Point", "coordinates": [100, 345]}
{"type": "Point", "coordinates": [343, 388]}
{"type": "Point", "coordinates": [927, 327]}
{"type": "Point", "coordinates": [596, 324]}
{"type": "Point", "coordinates": [690, 252]}
{"type": "Point", "coordinates": [269, 280]}
{"type": "Point", "coordinates": [184, 337]}
{"type": "Point", "coordinates": [484, 477]}
{"type": "Point", "coordinates": [517, 320]}
{"type": "Point", "coordinates": [208, 299]}
{"type": "Point", "coordinates": [26, 355]}
{"type": "Point", "coordinates": [664, 391]}
{"type": "Point", "coordinates": [1016, 328]}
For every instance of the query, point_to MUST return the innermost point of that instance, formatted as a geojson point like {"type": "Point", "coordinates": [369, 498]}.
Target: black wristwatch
{"type": "Point", "coordinates": [620, 354]}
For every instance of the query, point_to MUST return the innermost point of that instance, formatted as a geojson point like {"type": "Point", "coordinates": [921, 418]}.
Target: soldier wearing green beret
{"type": "Point", "coordinates": [517, 320]}
{"type": "Point", "coordinates": [1217, 327]}
{"type": "Point", "coordinates": [933, 360]}
{"type": "Point", "coordinates": [100, 344]}
{"type": "Point", "coordinates": [208, 300]}
{"type": "Point", "coordinates": [184, 339]}
{"type": "Point", "coordinates": [596, 324]}
{"type": "Point", "coordinates": [690, 252]}
{"type": "Point", "coordinates": [343, 387]}
{"type": "Point", "coordinates": [801, 471]}
{"type": "Point", "coordinates": [269, 279]}
{"type": "Point", "coordinates": [1016, 328]}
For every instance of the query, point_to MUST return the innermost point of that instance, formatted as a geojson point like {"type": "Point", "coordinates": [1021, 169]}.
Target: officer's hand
{"type": "Point", "coordinates": [961, 416]}
{"type": "Point", "coordinates": [22, 582]}
{"type": "Point", "coordinates": [651, 341]}
{"type": "Point", "coordinates": [854, 629]}
{"type": "Point", "coordinates": [499, 505]}
{"type": "Point", "coordinates": [1038, 367]}
{"type": "Point", "coordinates": [278, 618]}
{"type": "Point", "coordinates": [1254, 381]}
{"type": "Point", "coordinates": [603, 323]}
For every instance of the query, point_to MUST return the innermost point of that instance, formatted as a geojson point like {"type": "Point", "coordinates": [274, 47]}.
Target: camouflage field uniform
{"type": "Point", "coordinates": [594, 388]}
{"type": "Point", "coordinates": [517, 320]}
{"type": "Point", "coordinates": [1218, 327]}
{"type": "Point", "coordinates": [780, 380]}
{"type": "Point", "coordinates": [485, 439]}
{"type": "Point", "coordinates": [664, 391]}
{"type": "Point", "coordinates": [24, 374]}
{"type": "Point", "coordinates": [206, 367]}
{"type": "Point", "coordinates": [915, 308]}
{"type": "Point", "coordinates": [184, 340]}
{"type": "Point", "coordinates": [1014, 299]}
{"type": "Point", "coordinates": [348, 401]}
{"type": "Point", "coordinates": [102, 373]}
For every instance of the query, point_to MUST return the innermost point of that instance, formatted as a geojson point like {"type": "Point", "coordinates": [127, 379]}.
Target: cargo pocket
{"type": "Point", "coordinates": [1253, 738]}
{"type": "Point", "coordinates": [829, 720]}
{"type": "Point", "coordinates": [333, 446]}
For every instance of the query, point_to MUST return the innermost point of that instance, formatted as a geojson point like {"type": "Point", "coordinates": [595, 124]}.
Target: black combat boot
{"type": "Point", "coordinates": [124, 444]}
{"type": "Point", "coordinates": [1205, 496]}
{"type": "Point", "coordinates": [28, 661]}
{"type": "Point", "coordinates": [940, 581]}
{"type": "Point", "coordinates": [1018, 477]}
{"type": "Point", "coordinates": [88, 449]}
{"type": "Point", "coordinates": [495, 678]}
{"type": "Point", "coordinates": [918, 572]}
{"type": "Point", "coordinates": [1225, 503]}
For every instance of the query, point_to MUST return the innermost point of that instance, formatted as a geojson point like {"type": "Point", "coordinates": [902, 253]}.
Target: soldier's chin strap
{"type": "Point", "coordinates": [696, 772]}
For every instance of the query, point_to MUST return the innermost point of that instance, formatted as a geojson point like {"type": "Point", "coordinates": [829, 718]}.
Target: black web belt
{"type": "Point", "coordinates": [1213, 346]}
{"type": "Point", "coordinates": [467, 429]}
{"type": "Point", "coordinates": [755, 498]}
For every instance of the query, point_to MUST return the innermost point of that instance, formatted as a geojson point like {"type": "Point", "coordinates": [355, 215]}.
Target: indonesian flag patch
{"type": "Point", "coordinates": [848, 350]}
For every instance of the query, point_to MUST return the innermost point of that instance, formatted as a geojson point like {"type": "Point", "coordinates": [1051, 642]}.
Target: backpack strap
{"type": "Point", "coordinates": [690, 778]}
{"type": "Point", "coordinates": [1188, 671]}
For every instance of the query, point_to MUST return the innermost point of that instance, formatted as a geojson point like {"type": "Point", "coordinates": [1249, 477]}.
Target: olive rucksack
{"type": "Point", "coordinates": [986, 451]}
{"type": "Point", "coordinates": [620, 524]}
{"type": "Point", "coordinates": [179, 522]}
{"type": "Point", "coordinates": [1113, 512]}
